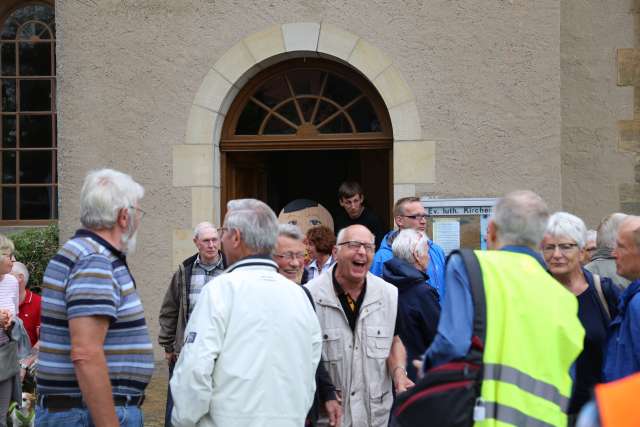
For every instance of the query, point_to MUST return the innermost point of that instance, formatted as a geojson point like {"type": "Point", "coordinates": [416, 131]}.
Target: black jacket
{"type": "Point", "coordinates": [418, 305]}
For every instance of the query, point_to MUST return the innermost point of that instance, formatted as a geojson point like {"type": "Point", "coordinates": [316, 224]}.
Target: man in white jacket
{"type": "Point", "coordinates": [253, 342]}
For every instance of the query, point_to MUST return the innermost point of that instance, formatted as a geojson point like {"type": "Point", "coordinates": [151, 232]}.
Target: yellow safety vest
{"type": "Point", "coordinates": [533, 336]}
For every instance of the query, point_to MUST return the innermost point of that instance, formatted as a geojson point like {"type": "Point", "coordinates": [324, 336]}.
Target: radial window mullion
{"type": "Point", "coordinates": [315, 108]}
{"type": "Point", "coordinates": [295, 100]}
{"type": "Point", "coordinates": [333, 115]}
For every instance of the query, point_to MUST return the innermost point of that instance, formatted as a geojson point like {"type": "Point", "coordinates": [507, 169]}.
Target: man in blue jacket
{"type": "Point", "coordinates": [622, 354]}
{"type": "Point", "coordinates": [408, 212]}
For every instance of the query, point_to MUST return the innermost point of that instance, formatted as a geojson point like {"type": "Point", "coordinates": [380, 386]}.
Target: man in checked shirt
{"type": "Point", "coordinates": [181, 296]}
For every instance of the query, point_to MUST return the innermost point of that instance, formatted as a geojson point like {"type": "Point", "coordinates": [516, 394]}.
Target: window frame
{"type": "Point", "coordinates": [6, 10]}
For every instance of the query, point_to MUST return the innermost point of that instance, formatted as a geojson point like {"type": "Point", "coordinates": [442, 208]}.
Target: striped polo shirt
{"type": "Point", "coordinates": [89, 277]}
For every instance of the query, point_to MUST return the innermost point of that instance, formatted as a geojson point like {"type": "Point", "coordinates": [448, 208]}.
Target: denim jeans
{"type": "Point", "coordinates": [169, 406]}
{"type": "Point", "coordinates": [128, 416]}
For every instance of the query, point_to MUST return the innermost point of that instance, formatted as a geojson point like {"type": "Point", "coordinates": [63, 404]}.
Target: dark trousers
{"type": "Point", "coordinates": [169, 407]}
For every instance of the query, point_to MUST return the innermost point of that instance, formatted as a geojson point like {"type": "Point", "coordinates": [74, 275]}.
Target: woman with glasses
{"type": "Point", "coordinates": [9, 302]}
{"type": "Point", "coordinates": [563, 248]}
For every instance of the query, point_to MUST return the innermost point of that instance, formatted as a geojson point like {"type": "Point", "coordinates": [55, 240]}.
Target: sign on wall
{"type": "Point", "coordinates": [459, 223]}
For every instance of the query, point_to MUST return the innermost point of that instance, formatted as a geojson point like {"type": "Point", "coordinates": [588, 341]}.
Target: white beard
{"type": "Point", "coordinates": [129, 243]}
{"type": "Point", "coordinates": [129, 239]}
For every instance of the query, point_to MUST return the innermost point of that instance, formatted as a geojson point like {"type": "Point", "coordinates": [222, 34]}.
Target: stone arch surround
{"type": "Point", "coordinates": [196, 162]}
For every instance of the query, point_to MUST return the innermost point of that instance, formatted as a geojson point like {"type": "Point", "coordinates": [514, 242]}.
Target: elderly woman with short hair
{"type": "Point", "coordinates": [563, 247]}
{"type": "Point", "coordinates": [418, 304]}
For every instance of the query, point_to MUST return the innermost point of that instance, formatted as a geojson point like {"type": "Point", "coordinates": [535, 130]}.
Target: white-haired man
{"type": "Point", "coordinates": [603, 263]}
{"type": "Point", "coordinates": [95, 357]}
{"type": "Point", "coordinates": [532, 333]}
{"type": "Point", "coordinates": [252, 344]}
{"type": "Point", "coordinates": [289, 255]}
{"type": "Point", "coordinates": [408, 212]}
{"type": "Point", "coordinates": [183, 292]}
{"type": "Point", "coordinates": [28, 312]}
{"type": "Point", "coordinates": [358, 313]}
{"type": "Point", "coordinates": [30, 302]}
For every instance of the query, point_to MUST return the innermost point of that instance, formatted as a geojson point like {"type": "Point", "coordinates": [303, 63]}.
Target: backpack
{"type": "Point", "coordinates": [447, 394]}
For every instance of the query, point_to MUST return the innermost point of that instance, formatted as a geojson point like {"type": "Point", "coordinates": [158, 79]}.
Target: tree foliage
{"type": "Point", "coordinates": [34, 248]}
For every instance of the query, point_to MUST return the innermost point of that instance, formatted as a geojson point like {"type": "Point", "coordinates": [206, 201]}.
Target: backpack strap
{"type": "Point", "coordinates": [603, 300]}
{"type": "Point", "coordinates": [474, 273]}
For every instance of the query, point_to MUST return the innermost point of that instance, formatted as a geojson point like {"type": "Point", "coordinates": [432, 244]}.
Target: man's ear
{"type": "Point", "coordinates": [123, 218]}
{"type": "Point", "coordinates": [492, 235]}
{"type": "Point", "coordinates": [334, 251]}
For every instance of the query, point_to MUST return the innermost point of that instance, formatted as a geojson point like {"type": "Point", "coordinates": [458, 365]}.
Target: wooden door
{"type": "Point", "coordinates": [244, 176]}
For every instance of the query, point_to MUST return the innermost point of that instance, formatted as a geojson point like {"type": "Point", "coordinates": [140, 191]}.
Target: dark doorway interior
{"type": "Point", "coordinates": [279, 177]}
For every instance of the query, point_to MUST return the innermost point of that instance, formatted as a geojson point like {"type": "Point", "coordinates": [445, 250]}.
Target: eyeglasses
{"type": "Point", "coordinates": [418, 216]}
{"type": "Point", "coordinates": [9, 255]}
{"type": "Point", "coordinates": [221, 231]}
{"type": "Point", "coordinates": [564, 248]}
{"type": "Point", "coordinates": [354, 245]}
{"type": "Point", "coordinates": [140, 211]}
{"type": "Point", "coordinates": [290, 255]}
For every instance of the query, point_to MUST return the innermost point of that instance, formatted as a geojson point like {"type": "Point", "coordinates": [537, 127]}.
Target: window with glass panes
{"type": "Point", "coordinates": [28, 187]}
{"type": "Point", "coordinates": [317, 103]}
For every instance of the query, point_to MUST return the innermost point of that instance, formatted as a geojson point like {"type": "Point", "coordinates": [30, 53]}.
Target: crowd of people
{"type": "Point", "coordinates": [267, 324]}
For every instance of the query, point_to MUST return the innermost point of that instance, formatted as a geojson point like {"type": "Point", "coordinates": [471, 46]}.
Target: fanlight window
{"type": "Point", "coordinates": [28, 180]}
{"type": "Point", "coordinates": [308, 102]}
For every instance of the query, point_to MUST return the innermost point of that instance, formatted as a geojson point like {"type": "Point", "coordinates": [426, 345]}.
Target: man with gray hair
{"type": "Point", "coordinates": [603, 263]}
{"type": "Point", "coordinates": [524, 312]}
{"type": "Point", "coordinates": [30, 302]}
{"type": "Point", "coordinates": [252, 344]}
{"type": "Point", "coordinates": [96, 357]}
{"type": "Point", "coordinates": [183, 292]}
{"type": "Point", "coordinates": [289, 253]}
{"type": "Point", "coordinates": [622, 353]}
{"type": "Point", "coordinates": [589, 247]}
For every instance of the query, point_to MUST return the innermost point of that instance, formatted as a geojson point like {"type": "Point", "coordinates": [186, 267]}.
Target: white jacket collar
{"type": "Point", "coordinates": [253, 261]}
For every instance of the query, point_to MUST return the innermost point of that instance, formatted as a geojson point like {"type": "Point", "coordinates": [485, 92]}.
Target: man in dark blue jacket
{"type": "Point", "coordinates": [408, 212]}
{"type": "Point", "coordinates": [417, 304]}
{"type": "Point", "coordinates": [622, 354]}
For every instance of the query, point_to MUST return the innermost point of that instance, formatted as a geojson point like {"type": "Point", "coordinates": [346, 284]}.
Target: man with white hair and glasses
{"type": "Point", "coordinates": [95, 357]}
{"type": "Point", "coordinates": [183, 293]}
{"type": "Point", "coordinates": [252, 344]}
{"type": "Point", "coordinates": [289, 255]}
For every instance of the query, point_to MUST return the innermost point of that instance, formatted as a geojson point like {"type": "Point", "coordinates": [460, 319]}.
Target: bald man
{"type": "Point", "coordinates": [363, 355]}
{"type": "Point", "coordinates": [622, 355]}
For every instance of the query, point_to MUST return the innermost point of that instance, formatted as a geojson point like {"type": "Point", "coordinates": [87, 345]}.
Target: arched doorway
{"type": "Point", "coordinates": [300, 128]}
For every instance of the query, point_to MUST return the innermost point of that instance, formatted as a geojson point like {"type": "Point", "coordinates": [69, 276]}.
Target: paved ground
{"type": "Point", "coordinates": [156, 393]}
